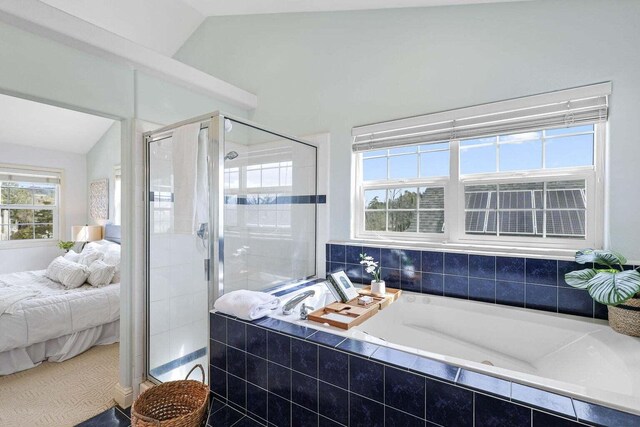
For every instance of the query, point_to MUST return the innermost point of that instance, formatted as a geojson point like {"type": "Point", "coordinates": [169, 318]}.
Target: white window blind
{"type": "Point", "coordinates": [567, 108]}
{"type": "Point", "coordinates": [25, 175]}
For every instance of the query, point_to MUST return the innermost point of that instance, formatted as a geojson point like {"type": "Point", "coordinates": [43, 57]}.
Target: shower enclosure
{"type": "Point", "coordinates": [230, 205]}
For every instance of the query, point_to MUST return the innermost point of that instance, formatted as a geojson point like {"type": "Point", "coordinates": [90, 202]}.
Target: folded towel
{"type": "Point", "coordinates": [247, 305]}
{"type": "Point", "coordinates": [10, 297]}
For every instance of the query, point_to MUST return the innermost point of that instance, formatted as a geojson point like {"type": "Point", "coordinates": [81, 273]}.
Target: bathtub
{"type": "Point", "coordinates": [569, 355]}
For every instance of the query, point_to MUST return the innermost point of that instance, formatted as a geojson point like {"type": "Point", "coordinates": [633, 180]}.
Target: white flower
{"type": "Point", "coordinates": [370, 269]}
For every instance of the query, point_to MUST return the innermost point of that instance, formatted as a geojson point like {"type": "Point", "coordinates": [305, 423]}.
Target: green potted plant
{"type": "Point", "coordinates": [610, 284]}
{"type": "Point", "coordinates": [66, 245]}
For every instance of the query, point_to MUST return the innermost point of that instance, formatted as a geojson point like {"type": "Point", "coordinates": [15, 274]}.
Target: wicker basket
{"type": "Point", "coordinates": [172, 404]}
{"type": "Point", "coordinates": [625, 318]}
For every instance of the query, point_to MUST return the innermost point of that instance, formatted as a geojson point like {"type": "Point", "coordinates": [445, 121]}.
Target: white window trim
{"type": "Point", "coordinates": [58, 217]}
{"type": "Point", "coordinates": [454, 237]}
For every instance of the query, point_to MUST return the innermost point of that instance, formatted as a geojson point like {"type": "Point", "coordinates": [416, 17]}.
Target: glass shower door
{"type": "Point", "coordinates": [177, 253]}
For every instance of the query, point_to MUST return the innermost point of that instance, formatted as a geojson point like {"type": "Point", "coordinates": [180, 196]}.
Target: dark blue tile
{"type": "Point", "coordinates": [335, 267]}
{"type": "Point", "coordinates": [482, 289]}
{"type": "Point", "coordinates": [355, 273]}
{"type": "Point", "coordinates": [575, 301]}
{"type": "Point", "coordinates": [333, 403]}
{"type": "Point", "coordinates": [236, 334]}
{"type": "Point", "coordinates": [541, 271]}
{"type": "Point", "coordinates": [411, 281]}
{"type": "Point", "coordinates": [333, 366]}
{"type": "Point", "coordinates": [273, 324]}
{"type": "Point", "coordinates": [304, 391]}
{"type": "Point", "coordinates": [353, 254]}
{"type": "Point", "coordinates": [236, 362]}
{"type": "Point", "coordinates": [257, 401]}
{"type": "Point", "coordinates": [435, 369]}
{"type": "Point", "coordinates": [366, 378]}
{"type": "Point", "coordinates": [405, 391]}
{"type": "Point", "coordinates": [600, 311]}
{"type": "Point", "coordinates": [372, 252]}
{"type": "Point", "coordinates": [214, 406]}
{"type": "Point", "coordinates": [482, 266]}
{"type": "Point", "coordinates": [279, 412]}
{"type": "Point", "coordinates": [456, 286]}
{"type": "Point", "coordinates": [395, 357]}
{"type": "Point", "coordinates": [247, 422]}
{"type": "Point", "coordinates": [485, 383]}
{"type": "Point", "coordinates": [109, 418]}
{"type": "Point", "coordinates": [218, 327]}
{"type": "Point", "coordinates": [410, 260]}
{"type": "Point", "coordinates": [449, 405]}
{"type": "Point", "coordinates": [257, 371]}
{"type": "Point", "coordinates": [510, 293]}
{"type": "Point", "coordinates": [127, 411]}
{"type": "Point", "coordinates": [390, 258]}
{"type": "Point", "coordinates": [432, 262]}
{"type": "Point", "coordinates": [457, 264]}
{"type": "Point", "coordinates": [393, 418]}
{"type": "Point", "coordinates": [338, 254]}
{"type": "Point", "coordinates": [225, 417]}
{"type": "Point", "coordinates": [279, 380]}
{"type": "Point", "coordinates": [359, 347]}
{"type": "Point", "coordinates": [326, 422]}
{"type": "Point", "coordinates": [510, 269]}
{"type": "Point", "coordinates": [392, 277]}
{"type": "Point", "coordinates": [541, 297]}
{"type": "Point", "coordinates": [237, 391]}
{"type": "Point", "coordinates": [326, 338]}
{"type": "Point", "coordinates": [298, 330]}
{"type": "Point", "coordinates": [602, 416]}
{"type": "Point", "coordinates": [304, 357]}
{"type": "Point", "coordinates": [279, 348]}
{"type": "Point", "coordinates": [218, 382]}
{"type": "Point", "coordinates": [365, 412]}
{"type": "Point", "coordinates": [542, 399]}
{"type": "Point", "coordinates": [433, 284]}
{"type": "Point", "coordinates": [541, 419]}
{"type": "Point", "coordinates": [499, 413]}
{"type": "Point", "coordinates": [218, 355]}
{"type": "Point", "coordinates": [565, 267]}
{"type": "Point", "coordinates": [302, 417]}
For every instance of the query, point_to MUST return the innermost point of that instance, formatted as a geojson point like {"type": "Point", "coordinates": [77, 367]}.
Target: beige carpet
{"type": "Point", "coordinates": [60, 394]}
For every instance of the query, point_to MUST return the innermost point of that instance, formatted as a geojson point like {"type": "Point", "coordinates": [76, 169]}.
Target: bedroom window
{"type": "Point", "coordinates": [525, 172]}
{"type": "Point", "coordinates": [29, 202]}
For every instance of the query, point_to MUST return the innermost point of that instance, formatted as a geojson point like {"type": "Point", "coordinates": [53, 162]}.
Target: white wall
{"type": "Point", "coordinates": [73, 197]}
{"type": "Point", "coordinates": [318, 72]}
{"type": "Point", "coordinates": [103, 157]}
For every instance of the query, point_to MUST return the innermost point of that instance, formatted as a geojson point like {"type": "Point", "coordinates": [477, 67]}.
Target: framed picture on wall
{"type": "Point", "coordinates": [99, 199]}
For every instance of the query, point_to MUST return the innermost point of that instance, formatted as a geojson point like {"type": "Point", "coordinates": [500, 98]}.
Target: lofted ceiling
{"type": "Point", "coordinates": [248, 7]}
{"type": "Point", "coordinates": [33, 124]}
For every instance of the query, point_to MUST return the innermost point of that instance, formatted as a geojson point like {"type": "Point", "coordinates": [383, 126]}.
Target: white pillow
{"type": "Point", "coordinates": [72, 256]}
{"type": "Point", "coordinates": [70, 274]}
{"type": "Point", "coordinates": [112, 257]}
{"type": "Point", "coordinates": [88, 257]}
{"type": "Point", "coordinates": [100, 274]}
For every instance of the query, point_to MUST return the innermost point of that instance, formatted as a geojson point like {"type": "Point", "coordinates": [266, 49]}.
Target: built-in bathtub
{"type": "Point", "coordinates": [569, 355]}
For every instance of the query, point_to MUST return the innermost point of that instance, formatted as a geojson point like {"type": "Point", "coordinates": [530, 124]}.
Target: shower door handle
{"type": "Point", "coordinates": [207, 269]}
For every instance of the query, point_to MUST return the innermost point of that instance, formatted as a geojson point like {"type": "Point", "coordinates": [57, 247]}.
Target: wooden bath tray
{"type": "Point", "coordinates": [345, 315]}
{"type": "Point", "coordinates": [391, 295]}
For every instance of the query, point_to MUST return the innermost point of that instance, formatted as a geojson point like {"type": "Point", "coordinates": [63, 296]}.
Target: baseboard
{"type": "Point", "coordinates": [146, 386]}
{"type": "Point", "coordinates": [123, 395]}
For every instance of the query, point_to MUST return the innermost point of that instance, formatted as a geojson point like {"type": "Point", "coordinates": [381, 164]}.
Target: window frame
{"type": "Point", "coordinates": [454, 235]}
{"type": "Point", "coordinates": [58, 218]}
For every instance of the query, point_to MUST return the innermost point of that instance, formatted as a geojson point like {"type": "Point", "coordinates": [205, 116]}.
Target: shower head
{"type": "Point", "coordinates": [231, 155]}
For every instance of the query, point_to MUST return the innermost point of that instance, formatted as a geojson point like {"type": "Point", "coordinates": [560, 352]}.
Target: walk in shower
{"type": "Point", "coordinates": [230, 205]}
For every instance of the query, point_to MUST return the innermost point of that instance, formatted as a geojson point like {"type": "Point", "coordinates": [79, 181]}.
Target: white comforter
{"type": "Point", "coordinates": [51, 310]}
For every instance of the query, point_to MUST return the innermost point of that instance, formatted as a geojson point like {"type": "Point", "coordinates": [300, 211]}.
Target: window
{"type": "Point", "coordinates": [525, 171]}
{"type": "Point", "coordinates": [117, 195]}
{"type": "Point", "coordinates": [29, 201]}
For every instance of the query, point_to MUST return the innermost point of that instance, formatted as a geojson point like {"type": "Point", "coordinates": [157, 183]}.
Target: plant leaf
{"type": "Point", "coordinates": [580, 278]}
{"type": "Point", "coordinates": [614, 288]}
{"type": "Point", "coordinates": [599, 257]}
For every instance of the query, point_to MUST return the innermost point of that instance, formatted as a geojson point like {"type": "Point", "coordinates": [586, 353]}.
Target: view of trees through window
{"type": "Point", "coordinates": [27, 210]}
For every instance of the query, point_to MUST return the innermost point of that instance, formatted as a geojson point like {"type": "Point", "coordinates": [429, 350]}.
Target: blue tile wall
{"type": "Point", "coordinates": [324, 379]}
{"type": "Point", "coordinates": [520, 282]}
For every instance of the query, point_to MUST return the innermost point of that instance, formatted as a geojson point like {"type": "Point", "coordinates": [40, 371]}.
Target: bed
{"type": "Point", "coordinates": [49, 322]}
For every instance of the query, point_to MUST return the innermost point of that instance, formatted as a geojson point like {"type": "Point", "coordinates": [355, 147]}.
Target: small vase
{"type": "Point", "coordinates": [378, 288]}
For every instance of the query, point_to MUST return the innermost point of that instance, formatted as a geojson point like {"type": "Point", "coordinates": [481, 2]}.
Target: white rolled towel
{"type": "Point", "coordinates": [247, 305]}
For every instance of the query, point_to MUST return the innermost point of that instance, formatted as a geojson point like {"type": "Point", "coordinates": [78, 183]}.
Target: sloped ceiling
{"type": "Point", "coordinates": [33, 124]}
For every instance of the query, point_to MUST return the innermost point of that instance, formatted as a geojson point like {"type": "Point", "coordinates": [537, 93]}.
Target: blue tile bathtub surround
{"type": "Point", "coordinates": [327, 380]}
{"type": "Point", "coordinates": [520, 282]}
